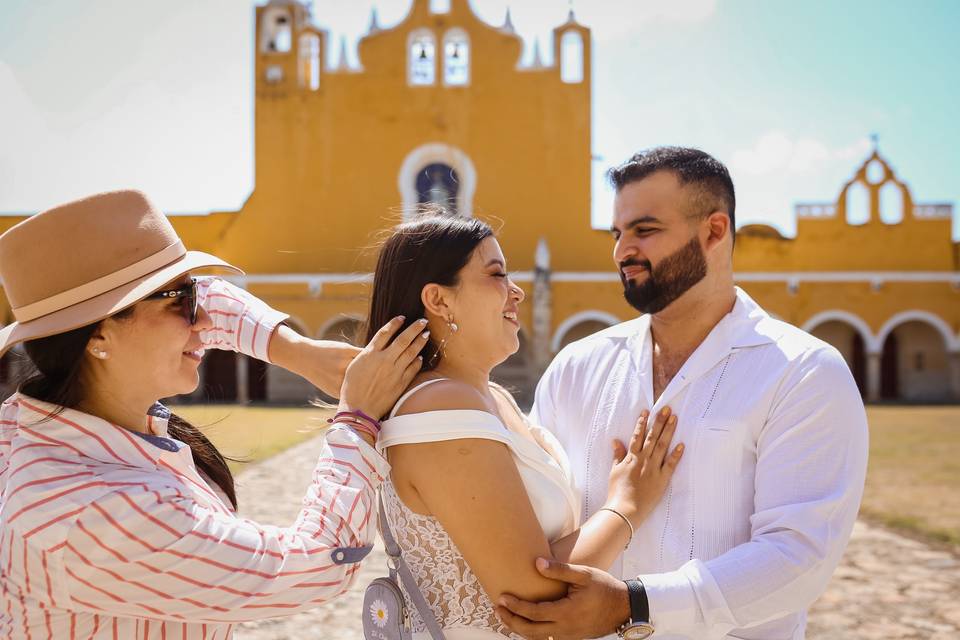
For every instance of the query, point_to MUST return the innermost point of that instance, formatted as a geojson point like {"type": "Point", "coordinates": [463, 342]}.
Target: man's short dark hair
{"type": "Point", "coordinates": [710, 179]}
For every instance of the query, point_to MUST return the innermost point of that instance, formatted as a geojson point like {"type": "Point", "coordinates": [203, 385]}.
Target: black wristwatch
{"type": "Point", "coordinates": [638, 626]}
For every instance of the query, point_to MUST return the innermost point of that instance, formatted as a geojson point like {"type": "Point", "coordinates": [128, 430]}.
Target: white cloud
{"type": "Point", "coordinates": [777, 152]}
{"type": "Point", "coordinates": [26, 132]}
{"type": "Point", "coordinates": [779, 170]}
{"type": "Point", "coordinates": [172, 115]}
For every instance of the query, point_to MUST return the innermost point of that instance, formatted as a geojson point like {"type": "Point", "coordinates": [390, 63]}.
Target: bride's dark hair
{"type": "Point", "coordinates": [432, 248]}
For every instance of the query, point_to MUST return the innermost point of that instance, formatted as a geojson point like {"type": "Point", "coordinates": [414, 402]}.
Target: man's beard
{"type": "Point", "coordinates": [671, 278]}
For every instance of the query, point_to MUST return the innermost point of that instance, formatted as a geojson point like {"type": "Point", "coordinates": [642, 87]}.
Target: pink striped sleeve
{"type": "Point", "coordinates": [158, 554]}
{"type": "Point", "coordinates": [241, 321]}
{"type": "Point", "coordinates": [8, 427]}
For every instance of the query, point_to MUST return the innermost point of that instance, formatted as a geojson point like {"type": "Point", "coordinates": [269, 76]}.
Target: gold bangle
{"type": "Point", "coordinates": [625, 519]}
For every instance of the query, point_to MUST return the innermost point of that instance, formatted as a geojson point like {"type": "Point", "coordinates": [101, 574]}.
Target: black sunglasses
{"type": "Point", "coordinates": [189, 292]}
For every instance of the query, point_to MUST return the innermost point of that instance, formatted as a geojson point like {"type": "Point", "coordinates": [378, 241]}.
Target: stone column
{"type": "Point", "coordinates": [954, 363]}
{"type": "Point", "coordinates": [874, 371]}
{"type": "Point", "coordinates": [542, 305]}
{"type": "Point", "coordinates": [243, 396]}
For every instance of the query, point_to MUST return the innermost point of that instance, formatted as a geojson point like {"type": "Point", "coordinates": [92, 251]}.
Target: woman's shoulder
{"type": "Point", "coordinates": [441, 394]}
{"type": "Point", "coordinates": [442, 410]}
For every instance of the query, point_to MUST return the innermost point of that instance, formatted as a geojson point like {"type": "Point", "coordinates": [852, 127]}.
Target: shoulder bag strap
{"type": "Point", "coordinates": [409, 582]}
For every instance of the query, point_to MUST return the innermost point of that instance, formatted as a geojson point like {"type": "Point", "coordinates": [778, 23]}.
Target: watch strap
{"type": "Point", "coordinates": [639, 605]}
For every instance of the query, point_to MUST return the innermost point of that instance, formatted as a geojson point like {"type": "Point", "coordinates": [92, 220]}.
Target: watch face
{"type": "Point", "coordinates": [638, 631]}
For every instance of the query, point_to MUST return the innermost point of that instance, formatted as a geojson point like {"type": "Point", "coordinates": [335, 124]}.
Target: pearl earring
{"type": "Point", "coordinates": [100, 353]}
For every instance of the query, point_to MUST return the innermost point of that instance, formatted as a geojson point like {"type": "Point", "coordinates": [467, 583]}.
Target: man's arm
{"type": "Point", "coordinates": [811, 465]}
{"type": "Point", "coordinates": [596, 605]}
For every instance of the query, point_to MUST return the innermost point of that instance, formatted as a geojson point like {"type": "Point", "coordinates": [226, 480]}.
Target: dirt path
{"type": "Point", "coordinates": [887, 587]}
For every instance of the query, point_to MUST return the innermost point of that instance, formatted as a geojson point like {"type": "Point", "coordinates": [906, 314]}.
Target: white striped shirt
{"type": "Point", "coordinates": [106, 534]}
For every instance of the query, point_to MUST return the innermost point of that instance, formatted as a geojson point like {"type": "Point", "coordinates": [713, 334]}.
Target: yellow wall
{"type": "Point", "coordinates": [328, 162]}
{"type": "Point", "coordinates": [830, 243]}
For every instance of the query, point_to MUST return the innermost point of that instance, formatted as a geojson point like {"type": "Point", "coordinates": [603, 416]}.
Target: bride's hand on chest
{"type": "Point", "coordinates": [642, 469]}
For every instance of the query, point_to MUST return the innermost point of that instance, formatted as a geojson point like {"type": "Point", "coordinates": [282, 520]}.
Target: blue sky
{"type": "Point", "coordinates": [102, 94]}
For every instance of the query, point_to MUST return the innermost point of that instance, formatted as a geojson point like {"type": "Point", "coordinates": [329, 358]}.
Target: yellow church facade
{"type": "Point", "coordinates": [442, 110]}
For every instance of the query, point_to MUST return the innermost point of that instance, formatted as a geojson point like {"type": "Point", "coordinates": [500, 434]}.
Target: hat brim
{"type": "Point", "coordinates": [109, 303]}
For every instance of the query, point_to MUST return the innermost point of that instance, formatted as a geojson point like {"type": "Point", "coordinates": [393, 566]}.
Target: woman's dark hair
{"type": "Point", "coordinates": [57, 362]}
{"type": "Point", "coordinates": [432, 248]}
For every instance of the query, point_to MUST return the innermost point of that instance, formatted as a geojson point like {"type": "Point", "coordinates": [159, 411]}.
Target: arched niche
{"type": "Point", "coordinates": [422, 58]}
{"type": "Point", "coordinates": [858, 204]}
{"type": "Point", "coordinates": [437, 153]}
{"type": "Point", "coordinates": [456, 58]}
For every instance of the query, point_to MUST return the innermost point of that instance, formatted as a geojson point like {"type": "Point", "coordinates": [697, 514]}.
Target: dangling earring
{"type": "Point", "coordinates": [453, 328]}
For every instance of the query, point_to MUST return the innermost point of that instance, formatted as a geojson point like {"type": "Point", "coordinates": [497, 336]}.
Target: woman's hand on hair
{"type": "Point", "coordinates": [384, 368]}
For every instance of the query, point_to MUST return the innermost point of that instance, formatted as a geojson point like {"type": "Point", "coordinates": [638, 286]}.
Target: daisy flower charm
{"type": "Point", "coordinates": [378, 613]}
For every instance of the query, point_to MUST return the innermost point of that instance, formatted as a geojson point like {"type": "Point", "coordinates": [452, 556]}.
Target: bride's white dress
{"type": "Point", "coordinates": [448, 584]}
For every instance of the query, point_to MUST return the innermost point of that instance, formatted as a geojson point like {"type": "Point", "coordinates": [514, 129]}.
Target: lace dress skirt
{"type": "Point", "coordinates": [449, 586]}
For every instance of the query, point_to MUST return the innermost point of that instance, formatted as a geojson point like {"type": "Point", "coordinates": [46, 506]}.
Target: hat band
{"type": "Point", "coordinates": [96, 287]}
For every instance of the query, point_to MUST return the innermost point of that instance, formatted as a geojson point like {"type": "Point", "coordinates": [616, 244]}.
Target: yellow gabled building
{"type": "Point", "coordinates": [874, 273]}
{"type": "Point", "coordinates": [441, 109]}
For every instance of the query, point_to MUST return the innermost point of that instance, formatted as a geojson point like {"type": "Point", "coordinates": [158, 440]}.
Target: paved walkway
{"type": "Point", "coordinates": [887, 587]}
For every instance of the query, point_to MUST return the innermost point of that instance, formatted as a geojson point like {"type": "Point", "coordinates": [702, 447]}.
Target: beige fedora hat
{"type": "Point", "coordinates": [83, 261]}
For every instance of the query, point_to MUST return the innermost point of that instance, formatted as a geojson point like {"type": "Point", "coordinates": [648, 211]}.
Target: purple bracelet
{"type": "Point", "coordinates": [375, 423]}
{"type": "Point", "coordinates": [360, 415]}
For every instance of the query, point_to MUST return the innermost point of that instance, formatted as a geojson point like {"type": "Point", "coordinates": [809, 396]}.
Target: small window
{"type": "Point", "coordinates": [456, 58]}
{"type": "Point", "coordinates": [571, 57]}
{"type": "Point", "coordinates": [876, 172]}
{"type": "Point", "coordinates": [276, 35]}
{"type": "Point", "coordinates": [439, 6]}
{"type": "Point", "coordinates": [423, 58]}
{"type": "Point", "coordinates": [310, 61]}
{"type": "Point", "coordinates": [274, 74]}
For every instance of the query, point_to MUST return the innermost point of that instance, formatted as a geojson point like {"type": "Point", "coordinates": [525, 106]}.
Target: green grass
{"type": "Point", "coordinates": [913, 481]}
